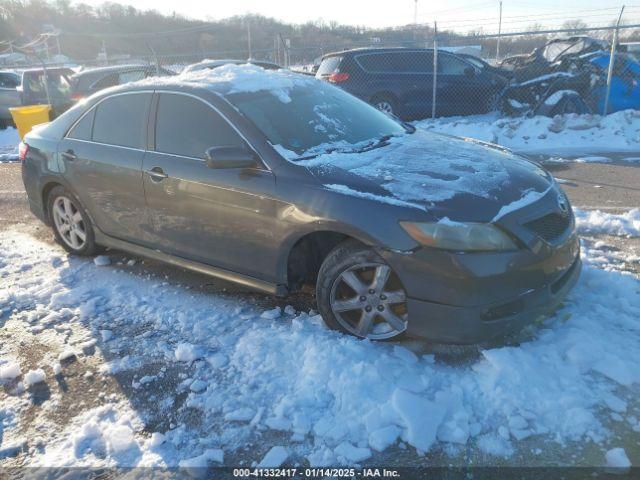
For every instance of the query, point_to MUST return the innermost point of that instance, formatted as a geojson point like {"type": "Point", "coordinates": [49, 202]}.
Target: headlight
{"type": "Point", "coordinates": [450, 235]}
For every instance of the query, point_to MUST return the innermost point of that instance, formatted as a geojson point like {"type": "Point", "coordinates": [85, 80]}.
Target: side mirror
{"type": "Point", "coordinates": [470, 72]}
{"type": "Point", "coordinates": [230, 157]}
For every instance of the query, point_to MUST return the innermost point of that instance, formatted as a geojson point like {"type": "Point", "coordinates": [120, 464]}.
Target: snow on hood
{"type": "Point", "coordinates": [243, 78]}
{"type": "Point", "coordinates": [425, 168]}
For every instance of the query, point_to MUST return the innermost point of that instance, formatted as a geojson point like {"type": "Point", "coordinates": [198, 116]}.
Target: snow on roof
{"type": "Point", "coordinates": [241, 78]}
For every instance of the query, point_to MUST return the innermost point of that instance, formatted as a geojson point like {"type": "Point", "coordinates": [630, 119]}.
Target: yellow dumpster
{"type": "Point", "coordinates": [28, 116]}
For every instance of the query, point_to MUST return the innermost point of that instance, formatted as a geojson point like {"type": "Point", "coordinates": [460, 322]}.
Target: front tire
{"type": "Point", "coordinates": [359, 294]}
{"type": "Point", "coordinates": [70, 223]}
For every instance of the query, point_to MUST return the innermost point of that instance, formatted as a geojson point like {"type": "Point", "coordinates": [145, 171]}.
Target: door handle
{"type": "Point", "coordinates": [157, 174]}
{"type": "Point", "coordinates": [69, 155]}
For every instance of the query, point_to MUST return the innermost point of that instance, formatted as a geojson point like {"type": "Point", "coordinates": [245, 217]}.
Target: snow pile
{"type": "Point", "coordinates": [617, 458]}
{"type": "Point", "coordinates": [570, 134]}
{"type": "Point", "coordinates": [594, 221]}
{"type": "Point", "coordinates": [338, 400]}
{"type": "Point", "coordinates": [241, 79]}
{"type": "Point", "coordinates": [9, 371]}
{"type": "Point", "coordinates": [274, 457]}
{"type": "Point", "coordinates": [9, 140]}
{"type": "Point", "coordinates": [34, 376]}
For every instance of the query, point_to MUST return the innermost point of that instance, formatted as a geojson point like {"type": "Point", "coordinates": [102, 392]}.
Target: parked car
{"type": "Point", "coordinates": [211, 64]}
{"type": "Point", "coordinates": [550, 56]}
{"type": "Point", "coordinates": [9, 95]}
{"type": "Point", "coordinates": [400, 81]}
{"type": "Point", "coordinates": [570, 77]}
{"type": "Point", "coordinates": [91, 80]}
{"type": "Point", "coordinates": [275, 180]}
{"type": "Point", "coordinates": [37, 82]}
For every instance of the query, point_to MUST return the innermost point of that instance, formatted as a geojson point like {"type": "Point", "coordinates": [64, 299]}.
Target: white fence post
{"type": "Point", "coordinates": [612, 59]}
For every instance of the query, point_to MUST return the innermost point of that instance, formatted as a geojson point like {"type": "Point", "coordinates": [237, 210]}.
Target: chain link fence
{"type": "Point", "coordinates": [587, 70]}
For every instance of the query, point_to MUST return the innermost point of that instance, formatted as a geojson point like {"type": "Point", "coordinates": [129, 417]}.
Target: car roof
{"type": "Point", "coordinates": [112, 68]}
{"type": "Point", "coordinates": [197, 81]}
{"type": "Point", "coordinates": [219, 62]}
{"type": "Point", "coordinates": [382, 50]}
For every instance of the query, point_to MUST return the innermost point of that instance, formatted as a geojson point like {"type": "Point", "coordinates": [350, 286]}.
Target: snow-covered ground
{"type": "Point", "coordinates": [9, 141]}
{"type": "Point", "coordinates": [569, 135]}
{"type": "Point", "coordinates": [172, 377]}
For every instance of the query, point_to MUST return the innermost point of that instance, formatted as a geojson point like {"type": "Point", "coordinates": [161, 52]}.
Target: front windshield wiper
{"type": "Point", "coordinates": [372, 145]}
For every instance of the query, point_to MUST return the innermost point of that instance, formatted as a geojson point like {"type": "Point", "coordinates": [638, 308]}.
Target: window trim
{"type": "Point", "coordinates": [154, 117]}
{"type": "Point", "coordinates": [93, 107]}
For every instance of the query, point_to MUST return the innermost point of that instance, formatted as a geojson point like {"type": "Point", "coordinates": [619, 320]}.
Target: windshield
{"type": "Point", "coordinates": [318, 118]}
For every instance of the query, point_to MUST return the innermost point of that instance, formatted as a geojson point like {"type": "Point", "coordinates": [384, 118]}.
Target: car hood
{"type": "Point", "coordinates": [461, 179]}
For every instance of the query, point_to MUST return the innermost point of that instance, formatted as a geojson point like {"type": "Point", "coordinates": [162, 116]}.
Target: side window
{"type": "Point", "coordinates": [126, 77]}
{"type": "Point", "coordinates": [188, 127]}
{"type": "Point", "coordinates": [375, 62]}
{"type": "Point", "coordinates": [450, 65]}
{"type": "Point", "coordinates": [122, 120]}
{"type": "Point", "coordinates": [110, 80]}
{"type": "Point", "coordinates": [8, 81]}
{"type": "Point", "coordinates": [82, 129]}
{"type": "Point", "coordinates": [412, 62]}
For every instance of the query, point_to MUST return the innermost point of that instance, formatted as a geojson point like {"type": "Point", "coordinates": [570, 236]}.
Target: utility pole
{"type": "Point", "coordinates": [435, 70]}
{"type": "Point", "coordinates": [499, 32]}
{"type": "Point", "coordinates": [249, 38]}
{"type": "Point", "coordinates": [415, 20]}
{"type": "Point", "coordinates": [612, 58]}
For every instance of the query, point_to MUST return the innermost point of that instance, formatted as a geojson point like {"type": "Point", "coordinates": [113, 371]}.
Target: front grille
{"type": "Point", "coordinates": [550, 226]}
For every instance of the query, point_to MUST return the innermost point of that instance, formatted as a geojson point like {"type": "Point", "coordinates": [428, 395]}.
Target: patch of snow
{"type": "Point", "coordinates": [351, 453]}
{"type": "Point", "coordinates": [34, 376]}
{"type": "Point", "coordinates": [102, 260]}
{"type": "Point", "coordinates": [566, 135]}
{"type": "Point", "coordinates": [196, 465]}
{"type": "Point", "coordinates": [617, 457]}
{"type": "Point", "coordinates": [271, 314]}
{"type": "Point", "coordinates": [9, 371]}
{"type": "Point", "coordinates": [528, 198]}
{"type": "Point", "coordinates": [274, 458]}
{"type": "Point", "coordinates": [185, 352]}
{"type": "Point", "coordinates": [595, 221]}
{"type": "Point", "coordinates": [9, 140]}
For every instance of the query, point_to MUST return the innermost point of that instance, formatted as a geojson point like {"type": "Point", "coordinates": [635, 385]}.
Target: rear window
{"type": "Point", "coordinates": [329, 65]}
{"type": "Point", "coordinates": [122, 120]}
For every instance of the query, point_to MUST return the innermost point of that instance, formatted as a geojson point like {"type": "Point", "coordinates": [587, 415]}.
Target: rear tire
{"type": "Point", "coordinates": [70, 223]}
{"type": "Point", "coordinates": [385, 103]}
{"type": "Point", "coordinates": [359, 294]}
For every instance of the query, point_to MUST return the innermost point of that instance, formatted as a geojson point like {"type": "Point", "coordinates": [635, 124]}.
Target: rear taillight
{"type": "Point", "coordinates": [23, 148]}
{"type": "Point", "coordinates": [338, 77]}
{"type": "Point", "coordinates": [76, 97]}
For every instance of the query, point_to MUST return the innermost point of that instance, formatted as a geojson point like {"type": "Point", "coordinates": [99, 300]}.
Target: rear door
{"type": "Point", "coordinates": [101, 157]}
{"type": "Point", "coordinates": [9, 95]}
{"type": "Point", "coordinates": [223, 217]}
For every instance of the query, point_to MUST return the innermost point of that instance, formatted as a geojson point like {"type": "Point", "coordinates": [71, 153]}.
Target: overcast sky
{"type": "Point", "coordinates": [458, 14]}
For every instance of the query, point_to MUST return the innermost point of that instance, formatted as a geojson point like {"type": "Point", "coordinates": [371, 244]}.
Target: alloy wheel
{"type": "Point", "coordinates": [369, 301]}
{"type": "Point", "coordinates": [69, 223]}
{"type": "Point", "coordinates": [384, 106]}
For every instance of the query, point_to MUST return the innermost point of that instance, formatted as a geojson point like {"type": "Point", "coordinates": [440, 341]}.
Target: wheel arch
{"type": "Point", "coordinates": [302, 255]}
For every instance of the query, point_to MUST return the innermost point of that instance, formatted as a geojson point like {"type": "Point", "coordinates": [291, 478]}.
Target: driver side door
{"type": "Point", "coordinates": [220, 216]}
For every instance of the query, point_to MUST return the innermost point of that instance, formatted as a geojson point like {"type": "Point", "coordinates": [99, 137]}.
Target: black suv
{"type": "Point", "coordinates": [400, 81]}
